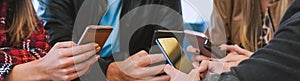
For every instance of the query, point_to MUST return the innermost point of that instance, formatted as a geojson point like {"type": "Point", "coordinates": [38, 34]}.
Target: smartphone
{"type": "Point", "coordinates": [174, 54]}
{"type": "Point", "coordinates": [200, 41]}
{"type": "Point", "coordinates": [95, 33]}
{"type": "Point", "coordinates": [167, 33]}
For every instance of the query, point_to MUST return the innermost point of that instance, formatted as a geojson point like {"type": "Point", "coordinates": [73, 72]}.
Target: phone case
{"type": "Point", "coordinates": [174, 54]}
{"type": "Point", "coordinates": [94, 33]}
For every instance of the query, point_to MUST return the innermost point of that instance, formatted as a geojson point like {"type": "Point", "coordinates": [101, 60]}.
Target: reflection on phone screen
{"type": "Point", "coordinates": [174, 54]}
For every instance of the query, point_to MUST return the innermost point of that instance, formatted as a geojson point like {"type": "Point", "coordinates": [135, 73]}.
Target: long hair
{"type": "Point", "coordinates": [251, 24]}
{"type": "Point", "coordinates": [278, 10]}
{"type": "Point", "coordinates": [24, 21]}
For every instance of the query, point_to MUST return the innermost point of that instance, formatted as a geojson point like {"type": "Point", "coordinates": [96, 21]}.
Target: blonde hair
{"type": "Point", "coordinates": [278, 9]}
{"type": "Point", "coordinates": [24, 21]}
{"type": "Point", "coordinates": [251, 24]}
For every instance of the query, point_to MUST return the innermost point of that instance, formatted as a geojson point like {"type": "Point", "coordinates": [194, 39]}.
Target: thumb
{"type": "Point", "coordinates": [203, 66]}
{"type": "Point", "coordinates": [194, 75]}
{"type": "Point", "coordinates": [171, 71]}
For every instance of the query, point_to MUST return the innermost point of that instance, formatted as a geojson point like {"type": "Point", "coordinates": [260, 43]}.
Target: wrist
{"type": "Point", "coordinates": [114, 73]}
{"type": "Point", "coordinates": [40, 70]}
{"type": "Point", "coordinates": [27, 71]}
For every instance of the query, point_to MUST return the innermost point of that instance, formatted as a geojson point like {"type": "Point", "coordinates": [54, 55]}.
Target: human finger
{"type": "Point", "coordinates": [82, 68]}
{"type": "Point", "coordinates": [234, 58]}
{"type": "Point", "coordinates": [147, 71]}
{"type": "Point", "coordinates": [82, 48]}
{"type": "Point", "coordinates": [64, 45]}
{"type": "Point", "coordinates": [193, 50]}
{"type": "Point", "coordinates": [171, 71]}
{"type": "Point", "coordinates": [196, 64]}
{"type": "Point", "coordinates": [82, 57]}
{"type": "Point", "coordinates": [139, 54]}
{"type": "Point", "coordinates": [194, 75]}
{"type": "Point", "coordinates": [149, 59]}
{"type": "Point", "coordinates": [157, 78]}
{"type": "Point", "coordinates": [76, 74]}
{"type": "Point", "coordinates": [204, 66]}
{"type": "Point", "coordinates": [199, 58]}
{"type": "Point", "coordinates": [236, 48]}
{"type": "Point", "coordinates": [82, 65]}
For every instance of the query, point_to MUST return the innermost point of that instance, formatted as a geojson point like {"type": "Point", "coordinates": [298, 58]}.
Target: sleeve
{"type": "Point", "coordinates": [277, 61]}
{"type": "Point", "coordinates": [35, 47]}
{"type": "Point", "coordinates": [59, 17]}
{"type": "Point", "coordinates": [224, 77]}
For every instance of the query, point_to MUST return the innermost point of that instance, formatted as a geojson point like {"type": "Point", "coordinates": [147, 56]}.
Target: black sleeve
{"type": "Point", "coordinates": [142, 38]}
{"type": "Point", "coordinates": [59, 17]}
{"type": "Point", "coordinates": [279, 60]}
{"type": "Point", "coordinates": [223, 77]}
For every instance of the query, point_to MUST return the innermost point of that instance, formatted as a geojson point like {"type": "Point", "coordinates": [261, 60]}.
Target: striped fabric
{"type": "Point", "coordinates": [32, 48]}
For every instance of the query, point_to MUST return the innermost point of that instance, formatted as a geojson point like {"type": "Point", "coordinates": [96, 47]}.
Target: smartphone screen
{"type": "Point", "coordinates": [200, 41]}
{"type": "Point", "coordinates": [97, 34]}
{"type": "Point", "coordinates": [174, 54]}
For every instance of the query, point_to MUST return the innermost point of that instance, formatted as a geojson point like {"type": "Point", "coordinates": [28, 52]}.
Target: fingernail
{"type": "Point", "coordinates": [98, 48]}
{"type": "Point", "coordinates": [98, 57]}
{"type": "Point", "coordinates": [167, 68]}
{"type": "Point", "coordinates": [96, 45]}
{"type": "Point", "coordinates": [197, 51]}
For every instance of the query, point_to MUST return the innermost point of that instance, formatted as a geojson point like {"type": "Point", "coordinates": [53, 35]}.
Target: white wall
{"type": "Point", "coordinates": [193, 8]}
{"type": "Point", "coordinates": [35, 4]}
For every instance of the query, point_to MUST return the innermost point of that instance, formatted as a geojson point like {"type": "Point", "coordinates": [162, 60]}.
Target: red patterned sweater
{"type": "Point", "coordinates": [32, 48]}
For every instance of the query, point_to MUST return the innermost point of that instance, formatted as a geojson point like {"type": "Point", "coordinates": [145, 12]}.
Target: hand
{"type": "Point", "coordinates": [176, 75]}
{"type": "Point", "coordinates": [196, 58]}
{"type": "Point", "coordinates": [208, 68]}
{"type": "Point", "coordinates": [234, 57]}
{"type": "Point", "coordinates": [135, 68]}
{"type": "Point", "coordinates": [67, 61]}
{"type": "Point", "coordinates": [217, 66]}
{"type": "Point", "coordinates": [237, 49]}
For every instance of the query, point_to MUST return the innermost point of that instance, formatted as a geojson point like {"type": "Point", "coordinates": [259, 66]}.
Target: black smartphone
{"type": "Point", "coordinates": [200, 41]}
{"type": "Point", "coordinates": [167, 33]}
{"type": "Point", "coordinates": [174, 54]}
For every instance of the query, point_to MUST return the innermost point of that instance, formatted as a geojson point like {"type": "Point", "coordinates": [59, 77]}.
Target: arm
{"type": "Point", "coordinates": [65, 61]}
{"type": "Point", "coordinates": [138, 67]}
{"type": "Point", "coordinates": [278, 60]}
{"type": "Point", "coordinates": [28, 61]}
{"type": "Point", "coordinates": [279, 56]}
{"type": "Point", "coordinates": [59, 17]}
{"type": "Point", "coordinates": [33, 48]}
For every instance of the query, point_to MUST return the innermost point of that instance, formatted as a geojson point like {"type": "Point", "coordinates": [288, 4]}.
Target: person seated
{"type": "Point", "coordinates": [277, 61]}
{"type": "Point", "coordinates": [25, 54]}
{"type": "Point", "coordinates": [61, 16]}
{"type": "Point", "coordinates": [246, 29]}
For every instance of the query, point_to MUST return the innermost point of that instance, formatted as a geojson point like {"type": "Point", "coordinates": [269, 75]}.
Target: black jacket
{"type": "Point", "coordinates": [59, 17]}
{"type": "Point", "coordinates": [279, 60]}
